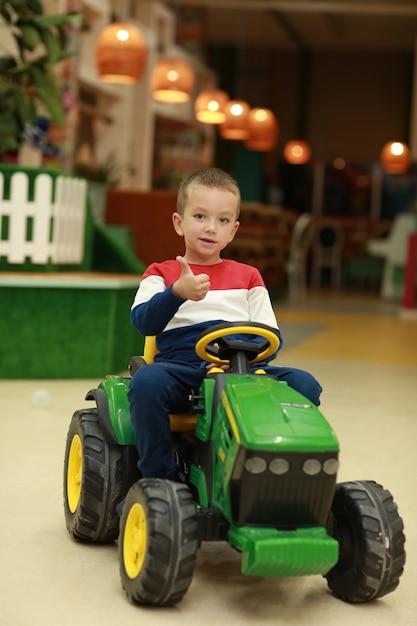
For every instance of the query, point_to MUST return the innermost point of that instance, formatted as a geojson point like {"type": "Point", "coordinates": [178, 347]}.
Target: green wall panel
{"type": "Point", "coordinates": [66, 332]}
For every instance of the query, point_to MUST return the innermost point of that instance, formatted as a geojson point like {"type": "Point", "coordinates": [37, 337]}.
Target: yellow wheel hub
{"type": "Point", "coordinates": [74, 473]}
{"type": "Point", "coordinates": [134, 540]}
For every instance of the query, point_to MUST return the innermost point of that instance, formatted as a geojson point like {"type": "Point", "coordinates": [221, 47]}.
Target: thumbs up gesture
{"type": "Point", "coordinates": [190, 286]}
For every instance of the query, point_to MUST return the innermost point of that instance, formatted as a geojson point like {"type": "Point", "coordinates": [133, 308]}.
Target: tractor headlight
{"type": "Point", "coordinates": [311, 467]}
{"type": "Point", "coordinates": [330, 466]}
{"type": "Point", "coordinates": [279, 466]}
{"type": "Point", "coordinates": [255, 465]}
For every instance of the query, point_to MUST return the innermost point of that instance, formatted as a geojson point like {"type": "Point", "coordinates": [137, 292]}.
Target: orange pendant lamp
{"type": "Point", "coordinates": [395, 157]}
{"type": "Point", "coordinates": [121, 53]}
{"type": "Point", "coordinates": [263, 130]}
{"type": "Point", "coordinates": [209, 105]}
{"type": "Point", "coordinates": [172, 80]}
{"type": "Point", "coordinates": [297, 152]}
{"type": "Point", "coordinates": [235, 125]}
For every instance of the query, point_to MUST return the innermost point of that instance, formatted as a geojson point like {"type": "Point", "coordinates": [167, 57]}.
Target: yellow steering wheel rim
{"type": "Point", "coordinates": [210, 337]}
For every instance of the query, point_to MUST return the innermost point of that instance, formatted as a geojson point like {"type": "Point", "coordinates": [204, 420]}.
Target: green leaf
{"type": "Point", "coordinates": [20, 45]}
{"type": "Point", "coordinates": [62, 37]}
{"type": "Point", "coordinates": [16, 4]}
{"type": "Point", "coordinates": [25, 108]}
{"type": "Point", "coordinates": [6, 63]}
{"type": "Point", "coordinates": [8, 143]}
{"type": "Point", "coordinates": [39, 76]}
{"type": "Point", "coordinates": [35, 6]}
{"type": "Point", "coordinates": [52, 45]}
{"type": "Point", "coordinates": [8, 124]}
{"type": "Point", "coordinates": [53, 105]}
{"type": "Point", "coordinates": [48, 93]}
{"type": "Point", "coordinates": [58, 20]}
{"type": "Point", "coordinates": [30, 35]}
{"type": "Point", "coordinates": [6, 14]}
{"type": "Point", "coordinates": [19, 70]}
{"type": "Point", "coordinates": [5, 88]}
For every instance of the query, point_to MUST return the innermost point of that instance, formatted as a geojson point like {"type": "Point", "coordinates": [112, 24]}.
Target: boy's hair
{"type": "Point", "coordinates": [210, 177]}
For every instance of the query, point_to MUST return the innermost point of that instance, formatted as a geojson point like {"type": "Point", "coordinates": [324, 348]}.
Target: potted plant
{"type": "Point", "coordinates": [32, 43]}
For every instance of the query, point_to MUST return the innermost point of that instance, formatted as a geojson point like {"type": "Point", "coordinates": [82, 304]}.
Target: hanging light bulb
{"type": "Point", "coordinates": [395, 157]}
{"type": "Point", "coordinates": [297, 152]}
{"type": "Point", "coordinates": [121, 53]}
{"type": "Point", "coordinates": [235, 125]}
{"type": "Point", "coordinates": [172, 80]}
{"type": "Point", "coordinates": [263, 130]}
{"type": "Point", "coordinates": [208, 106]}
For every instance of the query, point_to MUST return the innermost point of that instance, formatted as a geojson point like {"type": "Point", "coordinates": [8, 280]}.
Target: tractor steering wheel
{"type": "Point", "coordinates": [228, 347]}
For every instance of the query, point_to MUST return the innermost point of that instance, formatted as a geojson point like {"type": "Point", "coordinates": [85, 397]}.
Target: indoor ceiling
{"type": "Point", "coordinates": [316, 25]}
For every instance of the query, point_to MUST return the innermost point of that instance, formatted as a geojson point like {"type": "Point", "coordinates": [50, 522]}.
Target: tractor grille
{"type": "Point", "coordinates": [291, 499]}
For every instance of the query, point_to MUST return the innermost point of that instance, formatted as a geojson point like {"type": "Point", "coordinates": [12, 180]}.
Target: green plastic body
{"type": "Point", "coordinates": [272, 552]}
{"type": "Point", "coordinates": [116, 389]}
{"type": "Point", "coordinates": [254, 415]}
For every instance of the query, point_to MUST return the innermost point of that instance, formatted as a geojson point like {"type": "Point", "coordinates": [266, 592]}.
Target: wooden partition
{"type": "Point", "coordinates": [148, 214]}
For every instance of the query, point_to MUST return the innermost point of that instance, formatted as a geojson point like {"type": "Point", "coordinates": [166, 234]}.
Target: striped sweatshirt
{"type": "Point", "coordinates": [237, 294]}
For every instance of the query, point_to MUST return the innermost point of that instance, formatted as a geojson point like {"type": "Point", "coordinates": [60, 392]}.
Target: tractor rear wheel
{"type": "Point", "coordinates": [158, 542]}
{"type": "Point", "coordinates": [369, 530]}
{"type": "Point", "coordinates": [93, 480]}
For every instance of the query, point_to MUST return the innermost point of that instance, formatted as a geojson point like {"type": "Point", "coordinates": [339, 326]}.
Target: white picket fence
{"type": "Point", "coordinates": [43, 229]}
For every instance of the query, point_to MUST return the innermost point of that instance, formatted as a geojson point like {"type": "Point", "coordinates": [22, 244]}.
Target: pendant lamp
{"type": "Point", "coordinates": [208, 106]}
{"type": "Point", "coordinates": [263, 130]}
{"type": "Point", "coordinates": [172, 80]}
{"type": "Point", "coordinates": [395, 157]}
{"type": "Point", "coordinates": [297, 152]}
{"type": "Point", "coordinates": [121, 53]}
{"type": "Point", "coordinates": [235, 125]}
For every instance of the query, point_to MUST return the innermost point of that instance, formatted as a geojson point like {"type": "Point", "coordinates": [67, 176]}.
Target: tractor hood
{"type": "Point", "coordinates": [266, 414]}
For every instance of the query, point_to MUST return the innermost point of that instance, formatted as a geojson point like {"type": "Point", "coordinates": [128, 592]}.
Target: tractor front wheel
{"type": "Point", "coordinates": [158, 542]}
{"type": "Point", "coordinates": [369, 529]}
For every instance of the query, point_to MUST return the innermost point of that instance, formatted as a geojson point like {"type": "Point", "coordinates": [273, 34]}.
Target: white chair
{"type": "Point", "coordinates": [327, 252]}
{"type": "Point", "coordinates": [296, 266]}
{"type": "Point", "coordinates": [394, 249]}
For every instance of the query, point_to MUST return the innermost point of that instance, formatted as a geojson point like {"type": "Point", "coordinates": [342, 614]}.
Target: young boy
{"type": "Point", "coordinates": [178, 299]}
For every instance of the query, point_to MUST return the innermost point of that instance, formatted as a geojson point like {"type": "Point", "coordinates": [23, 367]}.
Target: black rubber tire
{"type": "Point", "coordinates": [369, 529]}
{"type": "Point", "coordinates": [167, 537]}
{"type": "Point", "coordinates": [91, 515]}
{"type": "Point", "coordinates": [136, 362]}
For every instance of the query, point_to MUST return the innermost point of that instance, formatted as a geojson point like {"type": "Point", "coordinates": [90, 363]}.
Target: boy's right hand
{"type": "Point", "coordinates": [190, 286]}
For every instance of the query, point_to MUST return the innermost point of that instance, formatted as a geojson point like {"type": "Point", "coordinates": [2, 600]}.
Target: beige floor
{"type": "Point", "coordinates": [367, 362]}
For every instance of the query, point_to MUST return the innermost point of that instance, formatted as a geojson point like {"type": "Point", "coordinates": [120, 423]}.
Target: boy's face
{"type": "Point", "coordinates": [209, 223]}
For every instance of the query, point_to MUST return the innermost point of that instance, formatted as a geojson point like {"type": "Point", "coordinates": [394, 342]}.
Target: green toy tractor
{"type": "Point", "coordinates": [257, 466]}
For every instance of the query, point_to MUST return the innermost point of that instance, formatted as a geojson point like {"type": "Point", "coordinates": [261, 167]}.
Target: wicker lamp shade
{"type": "Point", "coordinates": [121, 53]}
{"type": "Point", "coordinates": [297, 152]}
{"type": "Point", "coordinates": [263, 130]}
{"type": "Point", "coordinates": [395, 157]}
{"type": "Point", "coordinates": [172, 80]}
{"type": "Point", "coordinates": [208, 106]}
{"type": "Point", "coordinates": [235, 126]}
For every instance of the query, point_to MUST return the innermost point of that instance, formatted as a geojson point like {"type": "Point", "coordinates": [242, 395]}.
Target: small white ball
{"type": "Point", "coordinates": [41, 398]}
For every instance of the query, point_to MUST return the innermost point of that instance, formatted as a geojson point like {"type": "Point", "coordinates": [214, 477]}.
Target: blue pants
{"type": "Point", "coordinates": [159, 389]}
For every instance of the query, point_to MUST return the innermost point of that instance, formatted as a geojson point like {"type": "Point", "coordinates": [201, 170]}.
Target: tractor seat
{"type": "Point", "coordinates": [179, 422]}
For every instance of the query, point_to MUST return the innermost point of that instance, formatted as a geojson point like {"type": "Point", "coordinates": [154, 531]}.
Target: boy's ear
{"type": "Point", "coordinates": [177, 222]}
{"type": "Point", "coordinates": [234, 231]}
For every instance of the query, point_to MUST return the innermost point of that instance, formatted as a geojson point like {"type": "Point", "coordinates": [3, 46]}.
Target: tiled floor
{"type": "Point", "coordinates": [364, 355]}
